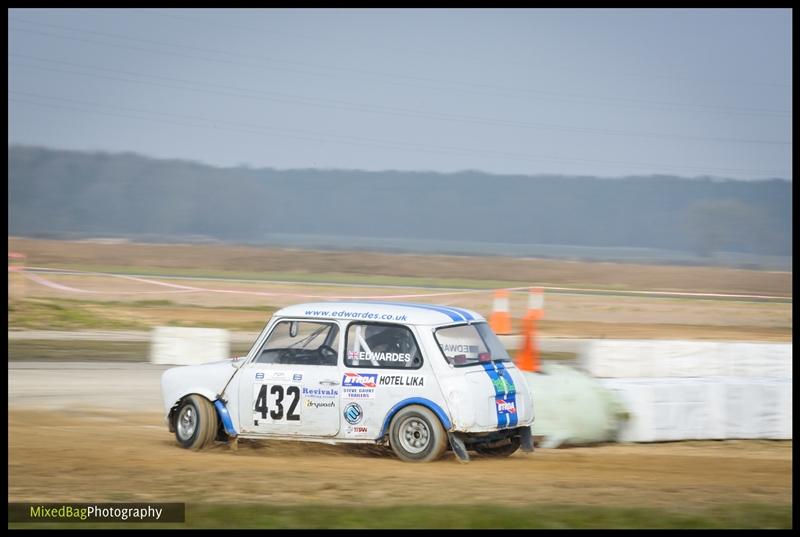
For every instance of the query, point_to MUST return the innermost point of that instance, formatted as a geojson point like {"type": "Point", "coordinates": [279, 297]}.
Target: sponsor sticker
{"type": "Point", "coordinates": [358, 393]}
{"type": "Point", "coordinates": [359, 385]}
{"type": "Point", "coordinates": [317, 404]}
{"type": "Point", "coordinates": [283, 376]}
{"type": "Point", "coordinates": [321, 393]}
{"type": "Point", "coordinates": [353, 413]}
{"type": "Point", "coordinates": [356, 315]}
{"type": "Point", "coordinates": [459, 348]}
{"type": "Point", "coordinates": [379, 356]}
{"type": "Point", "coordinates": [356, 430]}
{"type": "Point", "coordinates": [400, 380]}
{"type": "Point", "coordinates": [501, 385]}
{"type": "Point", "coordinates": [506, 407]}
{"type": "Point", "coordinates": [365, 380]}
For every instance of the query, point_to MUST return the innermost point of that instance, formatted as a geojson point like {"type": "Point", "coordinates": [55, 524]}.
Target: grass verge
{"type": "Point", "coordinates": [422, 282]}
{"type": "Point", "coordinates": [73, 314]}
{"type": "Point", "coordinates": [300, 276]}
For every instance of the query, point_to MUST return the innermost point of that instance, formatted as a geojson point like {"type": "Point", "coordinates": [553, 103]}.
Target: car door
{"type": "Point", "coordinates": [291, 386]}
{"type": "Point", "coordinates": [383, 366]}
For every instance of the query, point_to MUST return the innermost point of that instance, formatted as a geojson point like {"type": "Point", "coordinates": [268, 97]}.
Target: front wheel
{"type": "Point", "coordinates": [417, 435]}
{"type": "Point", "coordinates": [503, 450]}
{"type": "Point", "coordinates": [195, 423]}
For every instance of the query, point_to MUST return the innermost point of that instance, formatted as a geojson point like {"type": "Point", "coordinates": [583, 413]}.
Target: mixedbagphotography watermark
{"type": "Point", "coordinates": [96, 512]}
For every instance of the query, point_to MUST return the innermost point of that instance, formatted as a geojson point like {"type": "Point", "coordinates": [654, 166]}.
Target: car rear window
{"type": "Point", "coordinates": [470, 344]}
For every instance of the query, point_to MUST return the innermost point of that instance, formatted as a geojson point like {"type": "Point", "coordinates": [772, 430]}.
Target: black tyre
{"type": "Point", "coordinates": [195, 423]}
{"type": "Point", "coordinates": [417, 435]}
{"type": "Point", "coordinates": [502, 450]}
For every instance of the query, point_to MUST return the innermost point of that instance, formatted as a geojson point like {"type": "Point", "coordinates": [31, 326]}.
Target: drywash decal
{"type": "Point", "coordinates": [310, 403]}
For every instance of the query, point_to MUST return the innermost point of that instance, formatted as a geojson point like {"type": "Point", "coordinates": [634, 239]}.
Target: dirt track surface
{"type": "Point", "coordinates": [114, 303]}
{"type": "Point", "coordinates": [62, 386]}
{"type": "Point", "coordinates": [527, 271]}
{"type": "Point", "coordinates": [116, 456]}
{"type": "Point", "coordinates": [589, 316]}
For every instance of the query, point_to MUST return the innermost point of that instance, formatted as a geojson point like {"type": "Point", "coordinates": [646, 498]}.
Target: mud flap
{"type": "Point", "coordinates": [458, 447]}
{"type": "Point", "coordinates": [225, 418]}
{"type": "Point", "coordinates": [526, 439]}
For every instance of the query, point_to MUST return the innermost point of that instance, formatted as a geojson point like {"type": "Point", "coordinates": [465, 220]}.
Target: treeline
{"type": "Point", "coordinates": [127, 195]}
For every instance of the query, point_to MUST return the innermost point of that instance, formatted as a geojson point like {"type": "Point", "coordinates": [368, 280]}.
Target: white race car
{"type": "Point", "coordinates": [418, 377]}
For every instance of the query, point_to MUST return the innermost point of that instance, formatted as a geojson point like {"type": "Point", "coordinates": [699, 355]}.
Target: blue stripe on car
{"type": "Point", "coordinates": [491, 370]}
{"type": "Point", "coordinates": [497, 371]}
{"type": "Point", "coordinates": [450, 312]}
{"type": "Point", "coordinates": [512, 394]}
{"type": "Point", "coordinates": [467, 315]}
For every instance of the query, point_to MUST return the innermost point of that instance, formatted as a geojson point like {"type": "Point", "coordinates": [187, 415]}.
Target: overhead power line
{"type": "Point", "coordinates": [218, 124]}
{"type": "Point", "coordinates": [392, 77]}
{"type": "Point", "coordinates": [198, 87]}
{"type": "Point", "coordinates": [161, 13]}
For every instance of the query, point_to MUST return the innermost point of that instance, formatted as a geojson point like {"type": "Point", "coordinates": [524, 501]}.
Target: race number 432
{"type": "Point", "coordinates": [276, 402]}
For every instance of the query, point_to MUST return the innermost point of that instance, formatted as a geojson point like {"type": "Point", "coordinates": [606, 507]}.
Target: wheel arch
{"type": "Point", "coordinates": [444, 419]}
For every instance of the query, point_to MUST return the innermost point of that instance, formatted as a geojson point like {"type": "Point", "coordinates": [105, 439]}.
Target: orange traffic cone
{"type": "Point", "coordinates": [535, 303]}
{"type": "Point", "coordinates": [528, 356]}
{"type": "Point", "coordinates": [500, 319]}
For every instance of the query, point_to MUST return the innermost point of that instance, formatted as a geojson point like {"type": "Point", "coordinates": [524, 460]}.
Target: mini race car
{"type": "Point", "coordinates": [421, 378]}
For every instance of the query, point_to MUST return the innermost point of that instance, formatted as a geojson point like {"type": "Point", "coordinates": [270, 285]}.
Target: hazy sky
{"type": "Point", "coordinates": [596, 92]}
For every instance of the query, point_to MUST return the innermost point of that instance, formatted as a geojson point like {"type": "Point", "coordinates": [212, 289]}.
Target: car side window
{"type": "Point", "coordinates": [302, 343]}
{"type": "Point", "coordinates": [384, 346]}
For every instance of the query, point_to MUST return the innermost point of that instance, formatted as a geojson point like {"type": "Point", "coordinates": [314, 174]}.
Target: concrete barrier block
{"type": "Point", "coordinates": [187, 346]}
{"type": "Point", "coordinates": [704, 408]}
{"type": "Point", "coordinates": [637, 398]}
{"type": "Point", "coordinates": [686, 359]}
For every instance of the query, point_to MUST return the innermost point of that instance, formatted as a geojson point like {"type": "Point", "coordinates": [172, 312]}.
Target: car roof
{"type": "Point", "coordinates": [400, 312]}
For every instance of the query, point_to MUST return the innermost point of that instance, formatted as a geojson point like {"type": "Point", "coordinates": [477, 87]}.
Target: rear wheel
{"type": "Point", "coordinates": [195, 423]}
{"type": "Point", "coordinates": [502, 450]}
{"type": "Point", "coordinates": [417, 435]}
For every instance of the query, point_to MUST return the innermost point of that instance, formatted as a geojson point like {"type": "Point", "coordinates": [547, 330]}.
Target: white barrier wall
{"type": "Point", "coordinates": [664, 409]}
{"type": "Point", "coordinates": [696, 390]}
{"type": "Point", "coordinates": [758, 408]}
{"type": "Point", "coordinates": [675, 358]}
{"type": "Point", "coordinates": [188, 346]}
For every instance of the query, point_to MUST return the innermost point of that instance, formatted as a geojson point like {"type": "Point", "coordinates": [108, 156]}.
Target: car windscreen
{"type": "Point", "coordinates": [470, 344]}
{"type": "Point", "coordinates": [301, 342]}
